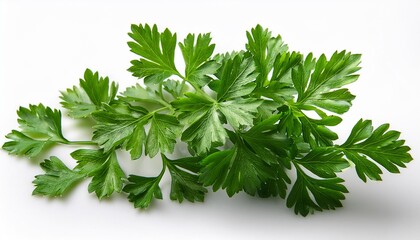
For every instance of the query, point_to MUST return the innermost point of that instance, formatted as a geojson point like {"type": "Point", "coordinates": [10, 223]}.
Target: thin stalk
{"type": "Point", "coordinates": [161, 91]}
{"type": "Point", "coordinates": [196, 88]}
{"type": "Point", "coordinates": [164, 165]}
{"type": "Point", "coordinates": [80, 143]}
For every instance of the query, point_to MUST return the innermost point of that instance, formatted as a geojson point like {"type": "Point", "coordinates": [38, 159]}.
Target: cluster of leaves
{"type": "Point", "coordinates": [250, 119]}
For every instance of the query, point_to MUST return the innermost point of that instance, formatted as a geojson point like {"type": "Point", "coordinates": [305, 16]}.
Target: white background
{"type": "Point", "coordinates": [46, 45]}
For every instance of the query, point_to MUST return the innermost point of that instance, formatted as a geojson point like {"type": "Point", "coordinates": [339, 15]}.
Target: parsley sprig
{"type": "Point", "coordinates": [257, 120]}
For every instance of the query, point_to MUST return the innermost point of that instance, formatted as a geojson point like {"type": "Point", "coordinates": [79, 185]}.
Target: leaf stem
{"type": "Point", "coordinates": [183, 83]}
{"type": "Point", "coordinates": [164, 165]}
{"type": "Point", "coordinates": [80, 143]}
{"type": "Point", "coordinates": [161, 91]}
{"type": "Point", "coordinates": [196, 88]}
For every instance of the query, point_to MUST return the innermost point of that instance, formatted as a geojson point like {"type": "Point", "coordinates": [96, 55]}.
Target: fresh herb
{"type": "Point", "coordinates": [251, 120]}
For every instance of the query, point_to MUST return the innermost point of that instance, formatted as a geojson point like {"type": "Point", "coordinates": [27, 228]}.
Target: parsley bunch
{"type": "Point", "coordinates": [251, 120]}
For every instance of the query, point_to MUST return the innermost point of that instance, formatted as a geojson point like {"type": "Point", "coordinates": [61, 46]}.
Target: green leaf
{"type": "Point", "coordinates": [40, 128]}
{"type": "Point", "coordinates": [280, 88]}
{"type": "Point", "coordinates": [240, 112]}
{"type": "Point", "coordinates": [237, 78]}
{"type": "Point", "coordinates": [366, 146]}
{"type": "Point", "coordinates": [156, 51]}
{"type": "Point", "coordinates": [327, 75]}
{"type": "Point", "coordinates": [57, 180]}
{"type": "Point", "coordinates": [283, 66]}
{"type": "Point", "coordinates": [266, 110]}
{"type": "Point", "coordinates": [23, 145]}
{"type": "Point", "coordinates": [116, 125]}
{"type": "Point", "coordinates": [264, 139]}
{"type": "Point", "coordinates": [193, 106]}
{"type": "Point", "coordinates": [142, 190]}
{"type": "Point", "coordinates": [277, 186]}
{"type": "Point", "coordinates": [88, 160]}
{"type": "Point", "coordinates": [89, 96]}
{"type": "Point", "coordinates": [279, 92]}
{"type": "Point", "coordinates": [235, 170]}
{"type": "Point", "coordinates": [324, 162]}
{"type": "Point", "coordinates": [222, 58]}
{"type": "Point", "coordinates": [103, 167]}
{"type": "Point", "coordinates": [164, 130]}
{"type": "Point", "coordinates": [318, 84]}
{"type": "Point", "coordinates": [108, 178]}
{"type": "Point", "coordinates": [193, 102]}
{"type": "Point", "coordinates": [271, 146]}
{"type": "Point", "coordinates": [184, 177]}
{"type": "Point", "coordinates": [41, 122]}
{"type": "Point", "coordinates": [142, 95]}
{"type": "Point", "coordinates": [116, 128]}
{"type": "Point", "coordinates": [77, 102]}
{"type": "Point", "coordinates": [264, 49]}
{"type": "Point", "coordinates": [315, 131]}
{"type": "Point", "coordinates": [196, 53]}
{"type": "Point", "coordinates": [204, 129]}
{"type": "Point", "coordinates": [310, 194]}
{"type": "Point", "coordinates": [175, 88]}
{"type": "Point", "coordinates": [135, 142]}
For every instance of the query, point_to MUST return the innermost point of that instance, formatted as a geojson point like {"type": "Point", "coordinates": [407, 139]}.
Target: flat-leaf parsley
{"type": "Point", "coordinates": [257, 120]}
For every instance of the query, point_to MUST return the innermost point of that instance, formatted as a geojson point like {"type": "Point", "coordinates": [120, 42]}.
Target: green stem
{"type": "Point", "coordinates": [164, 165]}
{"type": "Point", "coordinates": [161, 91]}
{"type": "Point", "coordinates": [196, 88]}
{"type": "Point", "coordinates": [183, 83]}
{"type": "Point", "coordinates": [166, 104]}
{"type": "Point", "coordinates": [80, 143]}
{"type": "Point", "coordinates": [159, 109]}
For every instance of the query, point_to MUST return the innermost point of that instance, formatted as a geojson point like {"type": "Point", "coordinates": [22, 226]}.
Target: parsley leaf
{"type": "Point", "coordinates": [283, 66]}
{"type": "Point", "coordinates": [125, 126]}
{"type": "Point", "coordinates": [204, 128]}
{"type": "Point", "coordinates": [164, 129]}
{"type": "Point", "coordinates": [271, 145]}
{"type": "Point", "coordinates": [40, 127]}
{"type": "Point", "coordinates": [324, 162]}
{"type": "Point", "coordinates": [247, 165]}
{"type": "Point", "coordinates": [196, 53]}
{"type": "Point", "coordinates": [327, 193]}
{"type": "Point", "coordinates": [57, 180]}
{"type": "Point", "coordinates": [142, 95]}
{"type": "Point", "coordinates": [280, 88]}
{"type": "Point", "coordinates": [175, 88]}
{"type": "Point", "coordinates": [116, 125]}
{"type": "Point", "coordinates": [236, 78]}
{"type": "Point", "coordinates": [135, 142]}
{"type": "Point", "coordinates": [327, 75]}
{"type": "Point", "coordinates": [184, 177]}
{"type": "Point", "coordinates": [41, 121]}
{"type": "Point", "coordinates": [322, 192]}
{"type": "Point", "coordinates": [107, 178]}
{"type": "Point", "coordinates": [240, 112]}
{"type": "Point", "coordinates": [92, 93]}
{"type": "Point", "coordinates": [265, 50]}
{"type": "Point", "coordinates": [23, 145]}
{"type": "Point", "coordinates": [365, 146]}
{"type": "Point", "coordinates": [104, 168]}
{"type": "Point", "coordinates": [142, 190]}
{"type": "Point", "coordinates": [235, 170]}
{"type": "Point", "coordinates": [206, 131]}
{"type": "Point", "coordinates": [156, 51]}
